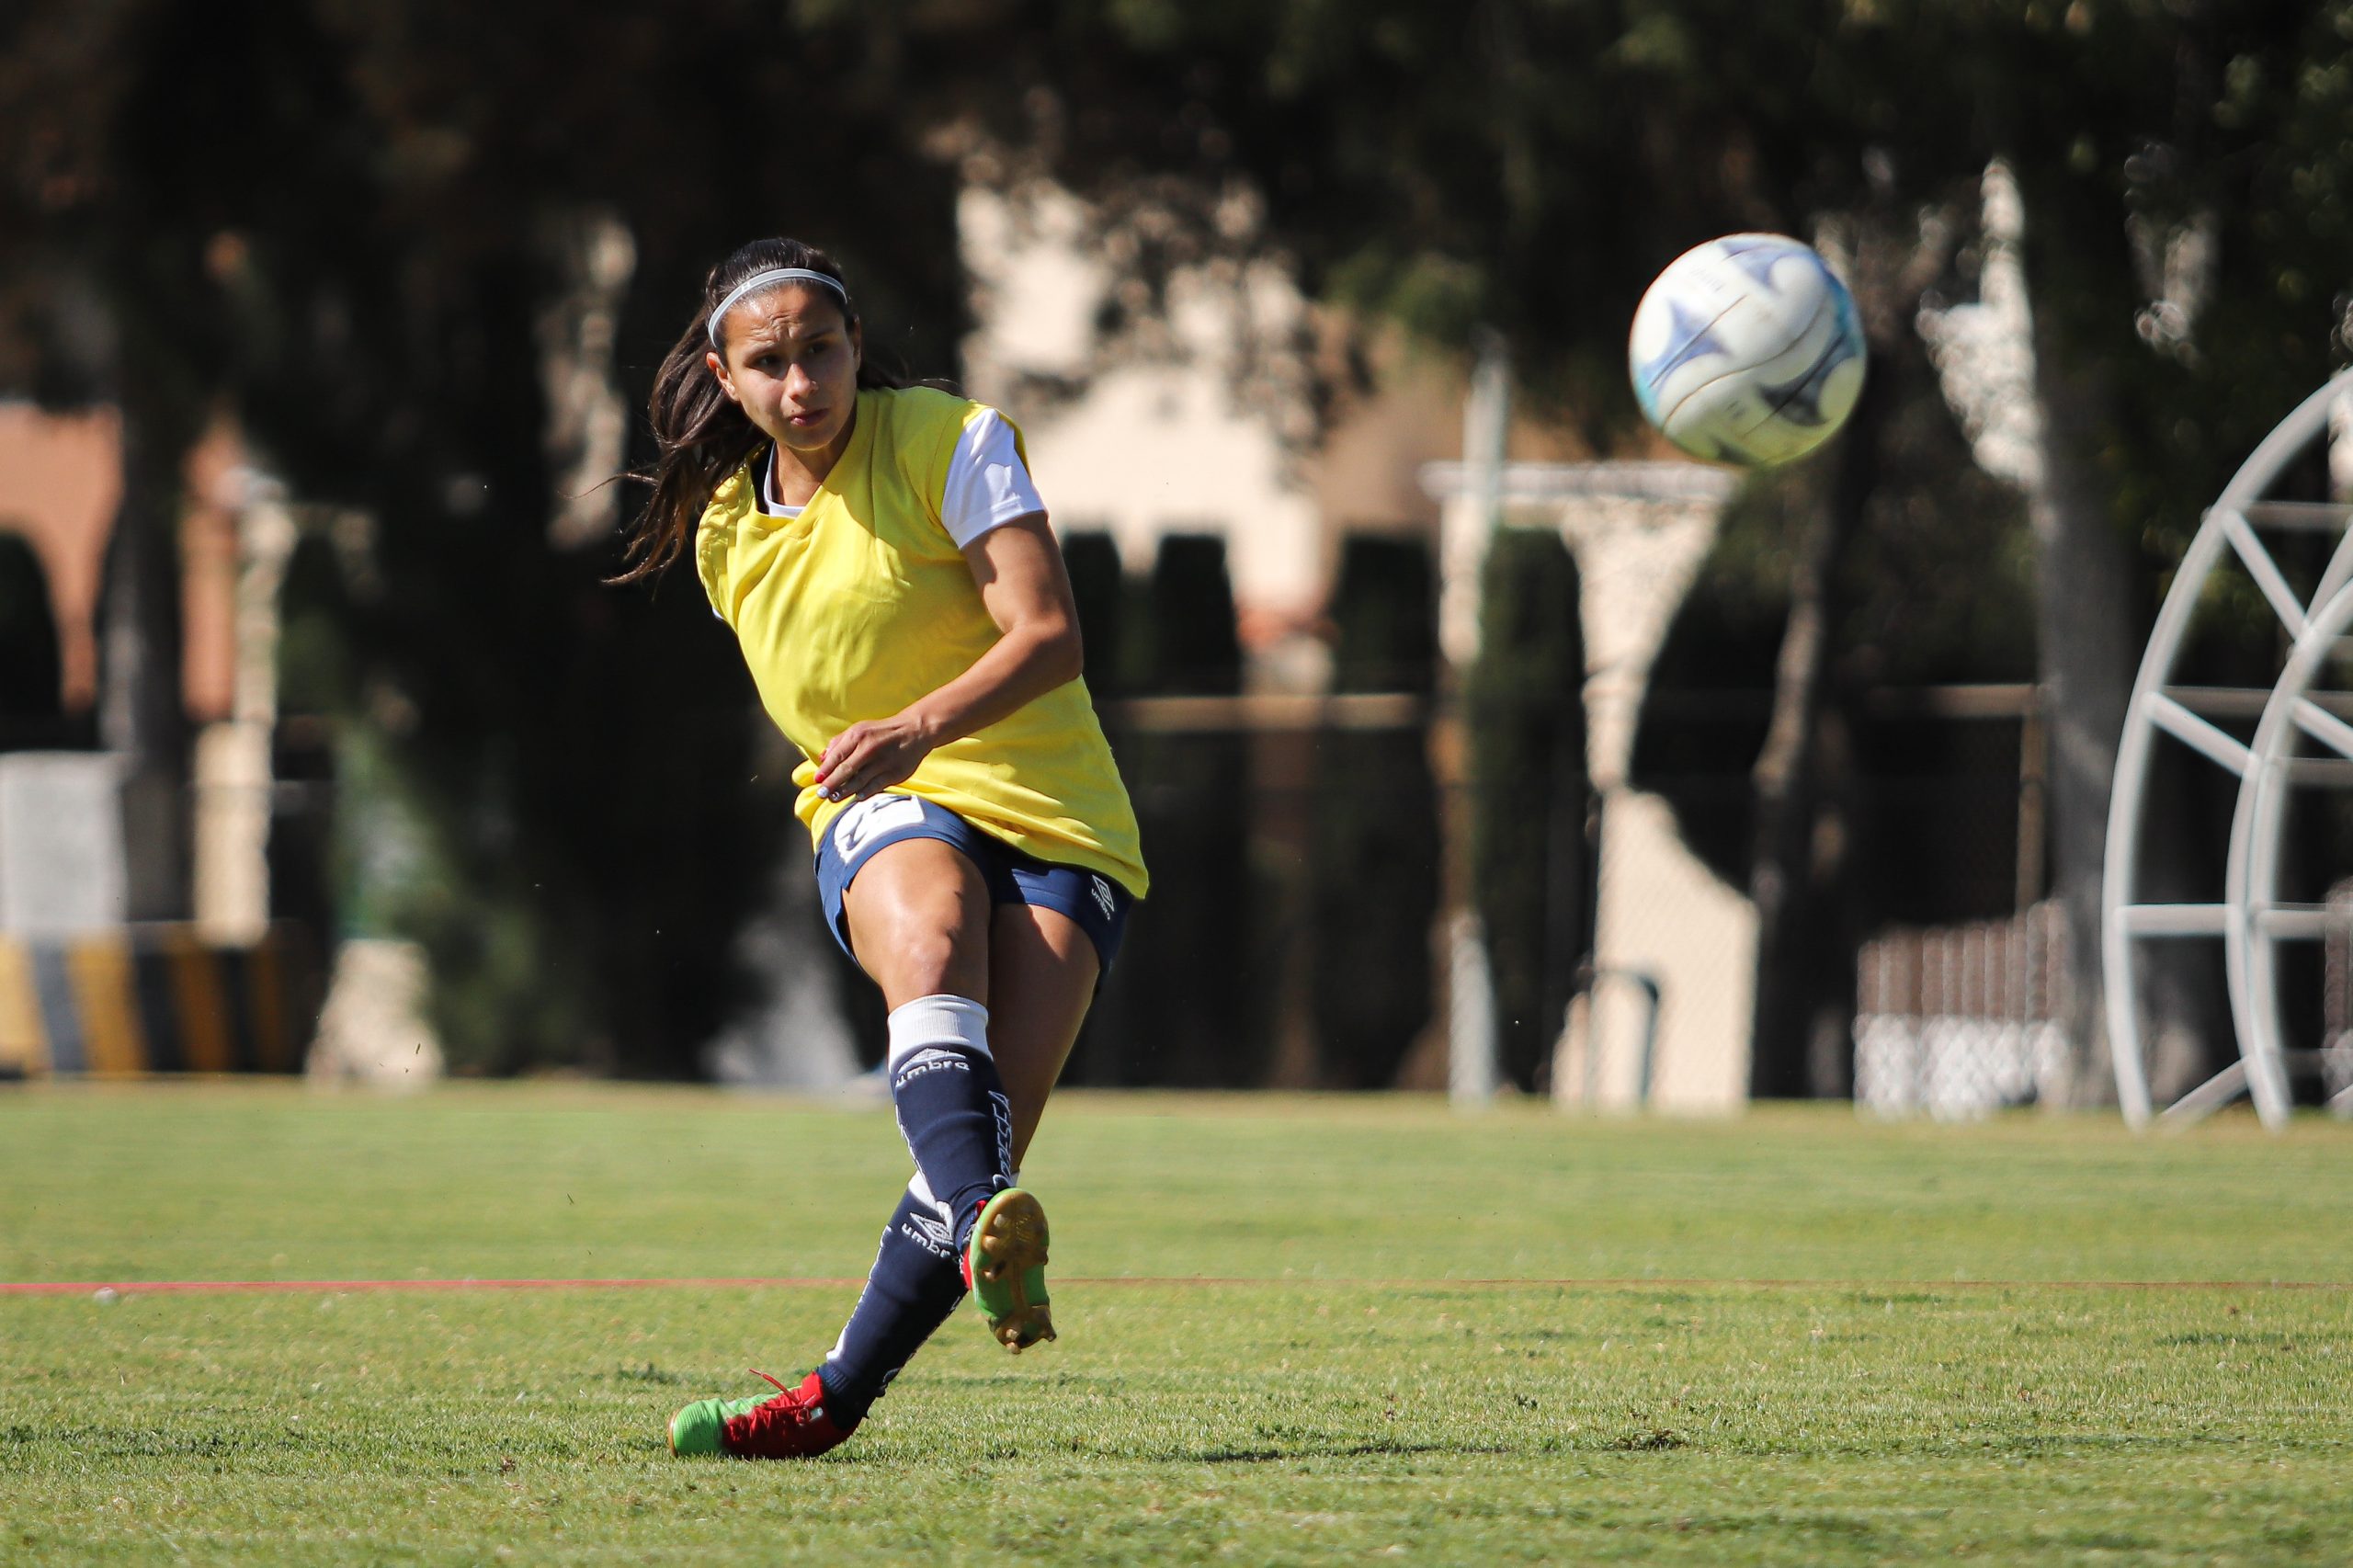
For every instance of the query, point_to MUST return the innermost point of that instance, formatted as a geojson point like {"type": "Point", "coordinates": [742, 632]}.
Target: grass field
{"type": "Point", "coordinates": [1294, 1329]}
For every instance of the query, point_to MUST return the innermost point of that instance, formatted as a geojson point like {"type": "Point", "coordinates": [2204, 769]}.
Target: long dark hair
{"type": "Point", "coordinates": [700, 433]}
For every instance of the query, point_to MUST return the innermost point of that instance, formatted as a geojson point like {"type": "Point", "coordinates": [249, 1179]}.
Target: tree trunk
{"type": "Point", "coordinates": [142, 718]}
{"type": "Point", "coordinates": [2034, 415]}
{"type": "Point", "coordinates": [1800, 1040]}
{"type": "Point", "coordinates": [1796, 1023]}
{"type": "Point", "coordinates": [2085, 642]}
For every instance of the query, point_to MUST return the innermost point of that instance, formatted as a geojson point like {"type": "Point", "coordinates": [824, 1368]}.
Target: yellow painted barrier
{"type": "Point", "coordinates": [154, 998]}
{"type": "Point", "coordinates": [24, 1042]}
{"type": "Point", "coordinates": [200, 1002]}
{"type": "Point", "coordinates": [273, 1049]}
{"type": "Point", "coordinates": [107, 1001]}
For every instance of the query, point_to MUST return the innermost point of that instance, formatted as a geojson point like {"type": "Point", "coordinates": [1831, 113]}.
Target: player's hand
{"type": "Point", "coordinates": [871, 756]}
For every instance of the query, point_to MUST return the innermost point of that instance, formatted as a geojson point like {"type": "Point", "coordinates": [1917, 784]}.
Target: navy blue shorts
{"type": "Point", "coordinates": [1094, 899]}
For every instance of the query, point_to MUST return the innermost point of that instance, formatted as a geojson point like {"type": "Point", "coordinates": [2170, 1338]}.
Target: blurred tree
{"type": "Point", "coordinates": [1373, 876]}
{"type": "Point", "coordinates": [1524, 725]}
{"type": "Point", "coordinates": [1187, 1005]}
{"type": "Point", "coordinates": [585, 758]}
{"type": "Point", "coordinates": [2188, 181]}
{"type": "Point", "coordinates": [334, 219]}
{"type": "Point", "coordinates": [1923, 575]}
{"type": "Point", "coordinates": [28, 657]}
{"type": "Point", "coordinates": [1530, 167]}
{"type": "Point", "coordinates": [1099, 588]}
{"type": "Point", "coordinates": [105, 203]}
{"type": "Point", "coordinates": [1800, 873]}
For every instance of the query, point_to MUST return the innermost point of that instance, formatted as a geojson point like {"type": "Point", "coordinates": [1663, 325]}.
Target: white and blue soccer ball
{"type": "Point", "coordinates": [1747, 351]}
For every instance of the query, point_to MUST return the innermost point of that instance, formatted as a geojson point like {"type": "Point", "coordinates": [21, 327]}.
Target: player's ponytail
{"type": "Point", "coordinates": [701, 435]}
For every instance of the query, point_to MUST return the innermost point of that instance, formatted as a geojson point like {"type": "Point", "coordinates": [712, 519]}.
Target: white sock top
{"type": "Point", "coordinates": [938, 1021]}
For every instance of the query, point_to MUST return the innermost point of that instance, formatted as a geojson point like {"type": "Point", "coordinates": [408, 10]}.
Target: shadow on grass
{"type": "Point", "coordinates": [649, 1373]}
{"type": "Point", "coordinates": [120, 1443]}
{"type": "Point", "coordinates": [1378, 1449]}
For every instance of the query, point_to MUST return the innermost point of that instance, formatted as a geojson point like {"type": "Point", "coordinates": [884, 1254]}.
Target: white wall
{"type": "Point", "coordinates": [1174, 427]}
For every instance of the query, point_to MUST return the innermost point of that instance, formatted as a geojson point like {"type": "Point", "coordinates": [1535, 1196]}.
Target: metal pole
{"type": "Point", "coordinates": [1471, 1013]}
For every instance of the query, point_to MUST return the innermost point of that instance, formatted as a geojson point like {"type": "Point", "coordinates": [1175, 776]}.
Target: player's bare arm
{"type": "Point", "coordinates": [1018, 569]}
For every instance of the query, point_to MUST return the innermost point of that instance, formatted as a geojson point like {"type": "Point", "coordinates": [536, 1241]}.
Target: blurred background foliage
{"type": "Point", "coordinates": [1524, 725]}
{"type": "Point", "coordinates": [333, 221]}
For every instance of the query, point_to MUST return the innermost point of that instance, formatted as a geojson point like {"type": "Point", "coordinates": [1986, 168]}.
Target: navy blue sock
{"type": "Point", "coordinates": [913, 1288]}
{"type": "Point", "coordinates": [951, 1103]}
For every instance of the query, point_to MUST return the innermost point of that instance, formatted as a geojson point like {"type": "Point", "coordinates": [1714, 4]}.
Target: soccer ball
{"type": "Point", "coordinates": [1747, 351]}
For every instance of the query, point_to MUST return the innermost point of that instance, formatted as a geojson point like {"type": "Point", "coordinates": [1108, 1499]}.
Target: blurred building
{"type": "Point", "coordinates": [1666, 1021]}
{"type": "Point", "coordinates": [60, 487]}
{"type": "Point", "coordinates": [60, 482]}
{"type": "Point", "coordinates": [1195, 414]}
{"type": "Point", "coordinates": [83, 989]}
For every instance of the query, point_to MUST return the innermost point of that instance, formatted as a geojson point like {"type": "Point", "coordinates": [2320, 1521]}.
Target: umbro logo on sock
{"type": "Point", "coordinates": [932, 1059]}
{"type": "Point", "coordinates": [930, 1234]}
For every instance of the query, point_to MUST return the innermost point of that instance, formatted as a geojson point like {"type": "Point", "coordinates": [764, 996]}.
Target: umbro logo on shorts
{"type": "Point", "coordinates": [1102, 890]}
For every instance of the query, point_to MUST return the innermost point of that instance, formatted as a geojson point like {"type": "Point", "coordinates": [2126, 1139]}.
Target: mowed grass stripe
{"type": "Point", "coordinates": [1793, 1338]}
{"type": "Point", "coordinates": [1266, 1424]}
{"type": "Point", "coordinates": [1173, 1282]}
{"type": "Point", "coordinates": [270, 1182]}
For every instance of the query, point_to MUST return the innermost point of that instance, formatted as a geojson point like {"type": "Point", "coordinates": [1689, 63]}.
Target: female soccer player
{"type": "Point", "coordinates": [883, 558]}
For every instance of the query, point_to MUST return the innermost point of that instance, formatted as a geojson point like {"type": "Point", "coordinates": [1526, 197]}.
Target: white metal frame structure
{"type": "Point", "coordinates": [2250, 920]}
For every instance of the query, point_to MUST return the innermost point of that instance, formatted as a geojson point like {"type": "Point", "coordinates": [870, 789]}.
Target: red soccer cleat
{"type": "Point", "coordinates": [791, 1425]}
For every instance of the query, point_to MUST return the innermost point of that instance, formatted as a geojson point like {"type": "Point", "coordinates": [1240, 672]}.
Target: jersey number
{"type": "Point", "coordinates": [868, 820]}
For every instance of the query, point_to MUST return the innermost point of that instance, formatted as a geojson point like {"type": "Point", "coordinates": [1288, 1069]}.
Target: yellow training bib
{"type": "Point", "coordinates": [863, 604]}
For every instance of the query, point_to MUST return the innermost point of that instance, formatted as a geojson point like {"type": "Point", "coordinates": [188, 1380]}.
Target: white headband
{"type": "Point", "coordinates": [759, 281]}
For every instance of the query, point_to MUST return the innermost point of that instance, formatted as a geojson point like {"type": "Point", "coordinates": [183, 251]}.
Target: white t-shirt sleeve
{"type": "Point", "coordinates": [988, 484]}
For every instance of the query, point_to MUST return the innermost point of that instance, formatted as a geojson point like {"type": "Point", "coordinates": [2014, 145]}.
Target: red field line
{"type": "Point", "coordinates": [159, 1286]}
{"type": "Point", "coordinates": [165, 1286]}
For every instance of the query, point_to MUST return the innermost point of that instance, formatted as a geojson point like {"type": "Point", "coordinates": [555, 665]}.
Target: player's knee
{"type": "Point", "coordinates": [936, 949]}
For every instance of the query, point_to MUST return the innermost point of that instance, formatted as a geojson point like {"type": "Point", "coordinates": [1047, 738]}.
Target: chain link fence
{"type": "Point", "coordinates": [1959, 1020]}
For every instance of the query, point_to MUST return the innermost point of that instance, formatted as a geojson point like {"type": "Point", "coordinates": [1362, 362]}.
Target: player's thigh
{"type": "Point", "coordinates": [1041, 979]}
{"type": "Point", "coordinates": [918, 916]}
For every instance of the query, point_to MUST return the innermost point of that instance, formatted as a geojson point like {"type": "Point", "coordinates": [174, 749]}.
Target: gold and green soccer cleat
{"type": "Point", "coordinates": [1005, 1262]}
{"type": "Point", "coordinates": [790, 1424]}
